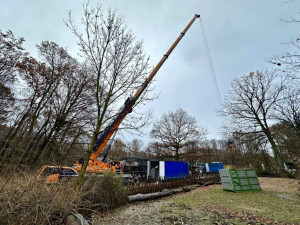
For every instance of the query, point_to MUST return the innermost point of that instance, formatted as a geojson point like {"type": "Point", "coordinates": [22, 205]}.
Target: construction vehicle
{"type": "Point", "coordinates": [51, 174]}
{"type": "Point", "coordinates": [94, 165]}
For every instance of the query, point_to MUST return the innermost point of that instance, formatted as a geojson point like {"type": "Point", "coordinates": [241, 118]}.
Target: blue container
{"type": "Point", "coordinates": [212, 167]}
{"type": "Point", "coordinates": [176, 169]}
{"type": "Point", "coordinates": [167, 169]}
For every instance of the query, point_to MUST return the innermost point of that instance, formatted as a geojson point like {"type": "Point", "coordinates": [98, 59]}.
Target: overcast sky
{"type": "Point", "coordinates": [241, 35]}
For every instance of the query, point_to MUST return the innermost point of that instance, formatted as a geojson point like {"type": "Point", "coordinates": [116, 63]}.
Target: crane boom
{"type": "Point", "coordinates": [91, 164]}
{"type": "Point", "coordinates": [129, 104]}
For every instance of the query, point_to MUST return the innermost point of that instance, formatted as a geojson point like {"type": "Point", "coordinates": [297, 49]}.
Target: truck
{"type": "Point", "coordinates": [90, 163]}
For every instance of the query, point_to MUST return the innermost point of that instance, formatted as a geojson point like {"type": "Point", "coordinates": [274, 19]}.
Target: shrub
{"type": "Point", "coordinates": [104, 192]}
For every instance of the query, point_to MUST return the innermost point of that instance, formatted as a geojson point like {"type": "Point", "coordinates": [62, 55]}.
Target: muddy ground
{"type": "Point", "coordinates": [165, 211]}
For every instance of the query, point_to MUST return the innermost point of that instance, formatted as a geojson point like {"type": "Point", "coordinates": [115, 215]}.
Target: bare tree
{"type": "Point", "coordinates": [289, 61]}
{"type": "Point", "coordinates": [196, 154]}
{"type": "Point", "coordinates": [288, 109]}
{"type": "Point", "coordinates": [52, 109]}
{"type": "Point", "coordinates": [11, 53]}
{"type": "Point", "coordinates": [40, 86]}
{"type": "Point", "coordinates": [251, 148]}
{"type": "Point", "coordinates": [288, 141]}
{"type": "Point", "coordinates": [70, 98]}
{"type": "Point", "coordinates": [176, 130]}
{"type": "Point", "coordinates": [117, 63]}
{"type": "Point", "coordinates": [135, 148]}
{"type": "Point", "coordinates": [154, 150]}
{"type": "Point", "coordinates": [118, 150]}
{"type": "Point", "coordinates": [44, 80]}
{"type": "Point", "coordinates": [250, 104]}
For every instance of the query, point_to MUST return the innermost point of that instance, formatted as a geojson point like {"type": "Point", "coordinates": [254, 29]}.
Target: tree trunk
{"type": "Point", "coordinates": [86, 162]}
{"type": "Point", "coordinates": [177, 154]}
{"type": "Point", "coordinates": [275, 151]}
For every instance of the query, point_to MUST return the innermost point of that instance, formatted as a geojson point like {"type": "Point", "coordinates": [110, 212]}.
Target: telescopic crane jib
{"type": "Point", "coordinates": [96, 166]}
{"type": "Point", "coordinates": [129, 104]}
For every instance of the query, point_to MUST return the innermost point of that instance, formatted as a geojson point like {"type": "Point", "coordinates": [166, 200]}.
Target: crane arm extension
{"type": "Point", "coordinates": [108, 147]}
{"type": "Point", "coordinates": [129, 104]}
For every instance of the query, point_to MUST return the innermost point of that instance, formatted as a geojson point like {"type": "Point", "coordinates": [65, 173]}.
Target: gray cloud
{"type": "Point", "coordinates": [240, 34]}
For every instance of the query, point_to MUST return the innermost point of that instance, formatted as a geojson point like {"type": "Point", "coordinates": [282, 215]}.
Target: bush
{"type": "Point", "coordinates": [104, 192]}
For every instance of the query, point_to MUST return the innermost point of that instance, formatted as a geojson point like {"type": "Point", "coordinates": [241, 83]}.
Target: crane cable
{"type": "Point", "coordinates": [211, 65]}
{"type": "Point", "coordinates": [212, 70]}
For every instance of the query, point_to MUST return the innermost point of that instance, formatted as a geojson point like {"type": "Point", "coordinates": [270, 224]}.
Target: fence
{"type": "Point", "coordinates": [147, 187]}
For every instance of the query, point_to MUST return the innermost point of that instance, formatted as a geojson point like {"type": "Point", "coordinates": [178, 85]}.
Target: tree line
{"type": "Point", "coordinates": [52, 109]}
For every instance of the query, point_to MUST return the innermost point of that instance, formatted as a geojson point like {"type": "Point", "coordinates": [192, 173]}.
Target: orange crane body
{"type": "Point", "coordinates": [96, 166]}
{"type": "Point", "coordinates": [95, 154]}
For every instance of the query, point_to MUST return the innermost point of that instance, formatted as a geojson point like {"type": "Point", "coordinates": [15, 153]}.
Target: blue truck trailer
{"type": "Point", "coordinates": [212, 167]}
{"type": "Point", "coordinates": [166, 170]}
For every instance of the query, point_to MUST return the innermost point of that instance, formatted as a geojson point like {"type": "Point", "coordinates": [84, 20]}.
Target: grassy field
{"type": "Point", "coordinates": [278, 201]}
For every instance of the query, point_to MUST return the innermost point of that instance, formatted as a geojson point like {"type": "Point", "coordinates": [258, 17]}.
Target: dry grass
{"type": "Point", "coordinates": [23, 200]}
{"type": "Point", "coordinates": [280, 185]}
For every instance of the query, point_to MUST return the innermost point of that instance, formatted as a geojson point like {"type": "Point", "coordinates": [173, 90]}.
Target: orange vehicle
{"type": "Point", "coordinates": [96, 166]}
{"type": "Point", "coordinates": [52, 174]}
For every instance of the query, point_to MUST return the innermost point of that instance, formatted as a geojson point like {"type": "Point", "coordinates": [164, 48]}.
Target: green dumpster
{"type": "Point", "coordinates": [239, 180]}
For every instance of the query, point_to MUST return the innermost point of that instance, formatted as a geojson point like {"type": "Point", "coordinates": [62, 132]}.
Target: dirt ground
{"type": "Point", "coordinates": [165, 211]}
{"type": "Point", "coordinates": [161, 211]}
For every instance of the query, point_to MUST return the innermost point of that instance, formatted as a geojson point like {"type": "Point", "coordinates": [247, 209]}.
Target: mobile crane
{"type": "Point", "coordinates": [94, 165]}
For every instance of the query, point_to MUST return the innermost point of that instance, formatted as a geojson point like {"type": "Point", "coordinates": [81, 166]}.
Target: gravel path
{"type": "Point", "coordinates": [161, 211]}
